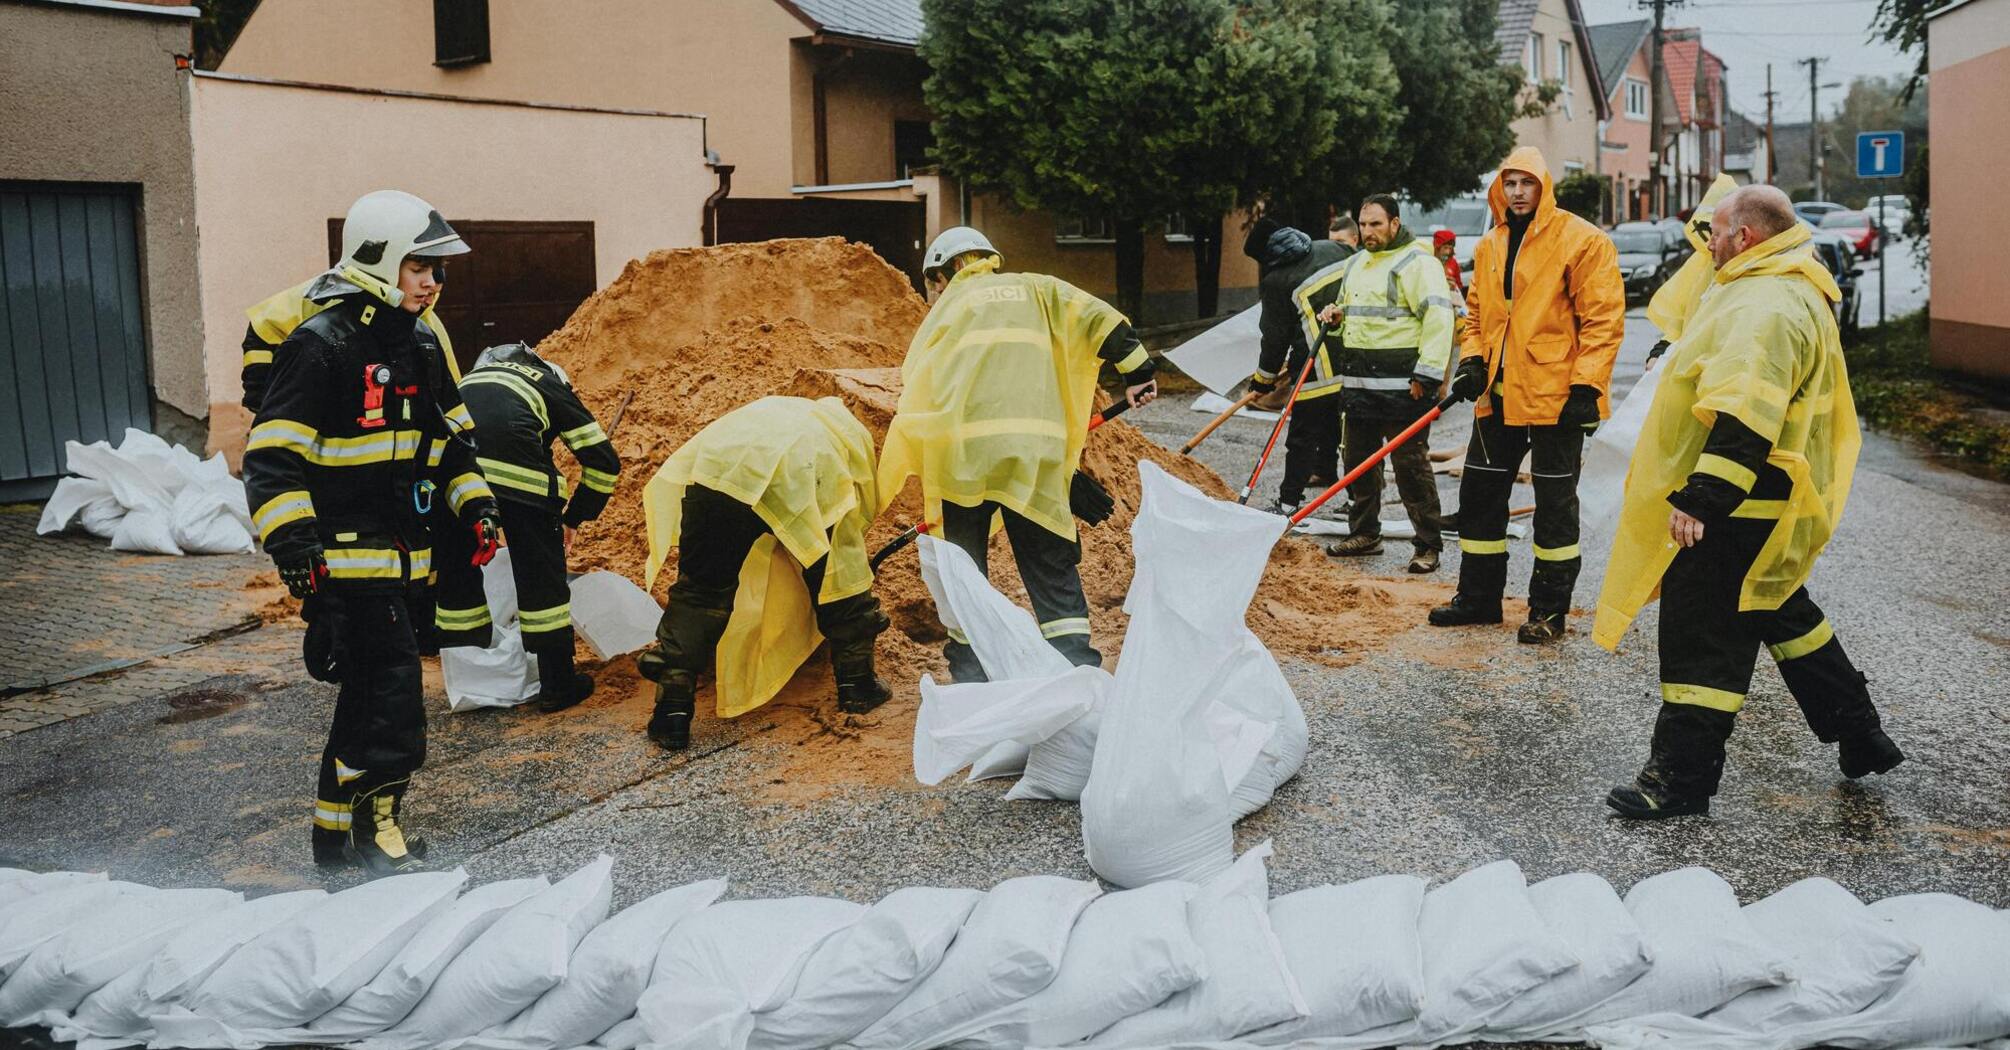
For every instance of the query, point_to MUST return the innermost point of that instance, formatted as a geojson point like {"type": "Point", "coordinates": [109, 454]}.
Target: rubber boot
{"type": "Point", "coordinates": [685, 640]}
{"type": "Point", "coordinates": [1462, 611]}
{"type": "Point", "coordinates": [376, 842]}
{"type": "Point", "coordinates": [559, 686]}
{"type": "Point", "coordinates": [1867, 753]}
{"type": "Point", "coordinates": [676, 706]}
{"type": "Point", "coordinates": [859, 689]}
{"type": "Point", "coordinates": [963, 663]}
{"type": "Point", "coordinates": [1685, 764]}
{"type": "Point", "coordinates": [328, 847]}
{"type": "Point", "coordinates": [1541, 629]}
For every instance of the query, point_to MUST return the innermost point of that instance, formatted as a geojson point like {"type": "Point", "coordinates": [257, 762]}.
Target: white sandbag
{"type": "Point", "coordinates": [108, 941]}
{"type": "Point", "coordinates": [308, 965]}
{"type": "Point", "coordinates": [1254, 687]}
{"type": "Point", "coordinates": [1249, 985]}
{"type": "Point", "coordinates": [209, 515]}
{"type": "Point", "coordinates": [723, 964]}
{"type": "Point", "coordinates": [398, 987]}
{"type": "Point", "coordinates": [124, 1009]}
{"type": "Point", "coordinates": [1705, 951]}
{"type": "Point", "coordinates": [503, 675]}
{"type": "Point", "coordinates": [613, 615]}
{"type": "Point", "coordinates": [1158, 804]}
{"type": "Point", "coordinates": [1955, 992]}
{"type": "Point", "coordinates": [605, 977]}
{"type": "Point", "coordinates": [1841, 955]}
{"type": "Point", "coordinates": [1129, 952]}
{"type": "Point", "coordinates": [30, 923]}
{"type": "Point", "coordinates": [147, 530]}
{"type": "Point", "coordinates": [27, 884]}
{"type": "Point", "coordinates": [131, 482]}
{"type": "Point", "coordinates": [1587, 913]}
{"type": "Point", "coordinates": [860, 972]}
{"type": "Point", "coordinates": [1355, 955]}
{"type": "Point", "coordinates": [1215, 404]}
{"type": "Point", "coordinates": [1009, 948]}
{"type": "Point", "coordinates": [1058, 767]}
{"type": "Point", "coordinates": [71, 499]}
{"type": "Point", "coordinates": [1224, 355]}
{"type": "Point", "coordinates": [1608, 455]}
{"type": "Point", "coordinates": [521, 957]}
{"type": "Point", "coordinates": [8, 875]}
{"type": "Point", "coordinates": [958, 724]}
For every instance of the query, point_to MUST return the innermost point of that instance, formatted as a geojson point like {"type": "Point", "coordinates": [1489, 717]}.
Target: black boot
{"type": "Point", "coordinates": [1685, 764]}
{"type": "Point", "coordinates": [1867, 753]}
{"type": "Point", "coordinates": [676, 706]}
{"type": "Point", "coordinates": [328, 847]}
{"type": "Point", "coordinates": [376, 842]}
{"type": "Point", "coordinates": [1541, 629]}
{"type": "Point", "coordinates": [559, 686]}
{"type": "Point", "coordinates": [963, 663]}
{"type": "Point", "coordinates": [859, 689]}
{"type": "Point", "coordinates": [1462, 611]}
{"type": "Point", "coordinates": [1649, 799]}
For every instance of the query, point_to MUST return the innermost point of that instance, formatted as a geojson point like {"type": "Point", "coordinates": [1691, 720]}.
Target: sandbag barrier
{"type": "Point", "coordinates": [425, 960]}
{"type": "Point", "coordinates": [149, 497]}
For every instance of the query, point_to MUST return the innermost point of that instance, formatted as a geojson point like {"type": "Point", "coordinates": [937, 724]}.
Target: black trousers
{"type": "Point", "coordinates": [536, 540]}
{"type": "Point", "coordinates": [1492, 458]}
{"type": "Point", "coordinates": [1311, 447]}
{"type": "Point", "coordinates": [457, 607]}
{"type": "Point", "coordinates": [1049, 566]}
{"type": "Point", "coordinates": [1708, 649]}
{"type": "Point", "coordinates": [377, 739]}
{"type": "Point", "coordinates": [1414, 482]}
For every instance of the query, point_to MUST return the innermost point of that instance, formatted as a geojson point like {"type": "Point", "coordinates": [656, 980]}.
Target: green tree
{"type": "Point", "coordinates": [217, 28]}
{"type": "Point", "coordinates": [1875, 104]}
{"type": "Point", "coordinates": [1583, 193]}
{"type": "Point", "coordinates": [1903, 22]}
{"type": "Point", "coordinates": [1458, 100]}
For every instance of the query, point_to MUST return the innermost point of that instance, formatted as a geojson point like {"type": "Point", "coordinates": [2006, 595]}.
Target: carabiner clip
{"type": "Point", "coordinates": [422, 496]}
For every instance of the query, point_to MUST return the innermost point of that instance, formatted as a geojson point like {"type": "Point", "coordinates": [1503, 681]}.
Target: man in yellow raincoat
{"type": "Point", "coordinates": [1753, 439]}
{"type": "Point", "coordinates": [777, 491]}
{"type": "Point", "coordinates": [997, 391]}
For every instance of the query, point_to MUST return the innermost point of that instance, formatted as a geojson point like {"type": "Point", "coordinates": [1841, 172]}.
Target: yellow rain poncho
{"type": "Point", "coordinates": [1763, 348]}
{"type": "Point", "coordinates": [806, 468]}
{"type": "Point", "coordinates": [1674, 302]}
{"type": "Point", "coordinates": [997, 391]}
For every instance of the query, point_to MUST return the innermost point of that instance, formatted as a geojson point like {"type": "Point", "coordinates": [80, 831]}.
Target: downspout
{"type": "Point", "coordinates": [710, 221]}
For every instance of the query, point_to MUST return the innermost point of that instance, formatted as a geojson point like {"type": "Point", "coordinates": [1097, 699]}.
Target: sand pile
{"type": "Point", "coordinates": [694, 333]}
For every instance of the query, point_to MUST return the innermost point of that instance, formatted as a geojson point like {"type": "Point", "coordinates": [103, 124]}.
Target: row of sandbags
{"type": "Point", "coordinates": [150, 497]}
{"type": "Point", "coordinates": [1195, 730]}
{"type": "Point", "coordinates": [425, 960]}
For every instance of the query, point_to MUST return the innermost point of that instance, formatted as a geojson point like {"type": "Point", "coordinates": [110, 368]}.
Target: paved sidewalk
{"type": "Point", "coordinates": [72, 609]}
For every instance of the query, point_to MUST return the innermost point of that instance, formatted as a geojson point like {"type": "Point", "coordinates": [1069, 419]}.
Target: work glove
{"type": "Point", "coordinates": [488, 535]}
{"type": "Point", "coordinates": [1470, 381]}
{"type": "Point", "coordinates": [303, 574]}
{"type": "Point", "coordinates": [1088, 500]}
{"type": "Point", "coordinates": [1259, 385]}
{"type": "Point", "coordinates": [1654, 352]}
{"type": "Point", "coordinates": [322, 649]}
{"type": "Point", "coordinates": [1581, 409]}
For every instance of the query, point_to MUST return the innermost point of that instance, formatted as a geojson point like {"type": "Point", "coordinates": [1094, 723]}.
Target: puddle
{"type": "Point", "coordinates": [194, 705]}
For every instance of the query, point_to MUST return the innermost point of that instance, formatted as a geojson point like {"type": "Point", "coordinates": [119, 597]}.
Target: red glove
{"type": "Point", "coordinates": [488, 536]}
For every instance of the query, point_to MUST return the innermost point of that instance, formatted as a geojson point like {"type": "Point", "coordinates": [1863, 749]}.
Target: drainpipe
{"type": "Point", "coordinates": [710, 222]}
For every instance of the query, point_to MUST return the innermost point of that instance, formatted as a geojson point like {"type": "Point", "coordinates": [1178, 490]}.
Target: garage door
{"type": "Point", "coordinates": [73, 357]}
{"type": "Point", "coordinates": [519, 282]}
{"type": "Point", "coordinates": [894, 229]}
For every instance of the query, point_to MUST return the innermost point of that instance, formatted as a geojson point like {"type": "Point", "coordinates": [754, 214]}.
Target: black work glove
{"type": "Point", "coordinates": [304, 573]}
{"type": "Point", "coordinates": [1654, 352]}
{"type": "Point", "coordinates": [1581, 409]}
{"type": "Point", "coordinates": [1088, 500]}
{"type": "Point", "coordinates": [322, 649]}
{"type": "Point", "coordinates": [1261, 386]}
{"type": "Point", "coordinates": [1470, 381]}
{"type": "Point", "coordinates": [488, 534]}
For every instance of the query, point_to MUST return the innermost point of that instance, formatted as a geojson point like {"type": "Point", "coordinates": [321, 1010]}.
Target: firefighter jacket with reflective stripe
{"type": "Point", "coordinates": [1562, 326]}
{"type": "Point", "coordinates": [356, 437]}
{"type": "Point", "coordinates": [1398, 327]}
{"type": "Point", "coordinates": [519, 409]}
{"type": "Point", "coordinates": [1283, 337]}
{"type": "Point", "coordinates": [277, 316]}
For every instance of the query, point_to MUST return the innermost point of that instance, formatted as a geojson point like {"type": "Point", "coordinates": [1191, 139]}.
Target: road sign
{"type": "Point", "coordinates": [1880, 154]}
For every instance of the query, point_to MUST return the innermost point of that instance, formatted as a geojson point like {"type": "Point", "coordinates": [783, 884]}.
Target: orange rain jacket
{"type": "Point", "coordinates": [1564, 325]}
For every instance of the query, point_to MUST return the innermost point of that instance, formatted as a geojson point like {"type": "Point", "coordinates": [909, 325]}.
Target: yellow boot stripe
{"type": "Point", "coordinates": [1795, 648]}
{"type": "Point", "coordinates": [1467, 546]}
{"type": "Point", "coordinates": [1702, 696]}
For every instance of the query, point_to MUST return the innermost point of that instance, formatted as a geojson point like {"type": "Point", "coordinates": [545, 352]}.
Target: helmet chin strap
{"type": "Point", "coordinates": [390, 295]}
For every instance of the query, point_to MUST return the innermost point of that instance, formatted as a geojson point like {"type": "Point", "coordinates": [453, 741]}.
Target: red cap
{"type": "Point", "coordinates": [1443, 237]}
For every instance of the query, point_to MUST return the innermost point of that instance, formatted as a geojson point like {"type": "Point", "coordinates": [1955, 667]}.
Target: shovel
{"type": "Point", "coordinates": [1215, 423]}
{"type": "Point", "coordinates": [1375, 460]}
{"type": "Point", "coordinates": [1311, 355]}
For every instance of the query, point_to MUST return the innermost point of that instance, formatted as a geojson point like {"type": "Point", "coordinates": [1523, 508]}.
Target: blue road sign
{"type": "Point", "coordinates": [1880, 154]}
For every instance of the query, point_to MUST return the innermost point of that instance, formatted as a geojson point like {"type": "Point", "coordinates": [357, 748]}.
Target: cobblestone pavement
{"type": "Point", "coordinates": [73, 612]}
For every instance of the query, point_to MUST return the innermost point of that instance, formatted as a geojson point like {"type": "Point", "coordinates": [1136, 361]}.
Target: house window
{"type": "Point", "coordinates": [460, 32]}
{"type": "Point", "coordinates": [913, 140]}
{"type": "Point", "coordinates": [1078, 230]}
{"type": "Point", "coordinates": [1176, 229]}
{"type": "Point", "coordinates": [1531, 57]}
{"type": "Point", "coordinates": [1563, 63]}
{"type": "Point", "coordinates": [1636, 99]}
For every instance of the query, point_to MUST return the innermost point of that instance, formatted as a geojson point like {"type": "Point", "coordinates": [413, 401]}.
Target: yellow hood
{"type": "Point", "coordinates": [1785, 253]}
{"type": "Point", "coordinates": [1528, 159]}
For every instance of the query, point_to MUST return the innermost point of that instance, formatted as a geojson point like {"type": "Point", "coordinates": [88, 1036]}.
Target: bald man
{"type": "Point", "coordinates": [1738, 482]}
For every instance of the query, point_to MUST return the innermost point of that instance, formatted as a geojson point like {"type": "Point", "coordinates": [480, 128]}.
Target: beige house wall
{"type": "Point", "coordinates": [863, 95]}
{"type": "Point", "coordinates": [93, 96]}
{"type": "Point", "coordinates": [1628, 167]}
{"type": "Point", "coordinates": [268, 179]}
{"type": "Point", "coordinates": [1568, 133]}
{"type": "Point", "coordinates": [1969, 49]}
{"type": "Point", "coordinates": [730, 60]}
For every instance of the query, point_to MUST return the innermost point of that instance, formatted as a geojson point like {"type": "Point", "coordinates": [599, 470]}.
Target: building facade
{"type": "Point", "coordinates": [1968, 56]}
{"type": "Point", "coordinates": [1549, 40]}
{"type": "Point", "coordinates": [1695, 149]}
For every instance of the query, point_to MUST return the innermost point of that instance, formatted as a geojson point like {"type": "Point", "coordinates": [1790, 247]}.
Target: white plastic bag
{"type": "Point", "coordinates": [723, 964]}
{"type": "Point", "coordinates": [27, 884]}
{"type": "Point", "coordinates": [1608, 455]}
{"type": "Point", "coordinates": [1584, 910]}
{"type": "Point", "coordinates": [958, 724]}
{"type": "Point", "coordinates": [1128, 952]}
{"type": "Point", "coordinates": [605, 976]}
{"type": "Point", "coordinates": [612, 615]}
{"type": "Point", "coordinates": [503, 675]}
{"type": "Point", "coordinates": [860, 972]}
{"type": "Point", "coordinates": [1249, 985]}
{"type": "Point", "coordinates": [504, 970]}
{"type": "Point", "coordinates": [73, 500]}
{"type": "Point", "coordinates": [1158, 803]}
{"type": "Point", "coordinates": [28, 924]}
{"type": "Point", "coordinates": [1224, 355]}
{"type": "Point", "coordinates": [110, 940]}
{"type": "Point", "coordinates": [1705, 951]}
{"type": "Point", "coordinates": [1354, 952]}
{"type": "Point", "coordinates": [1009, 948]}
{"type": "Point", "coordinates": [1059, 766]}
{"type": "Point", "coordinates": [147, 530]}
{"type": "Point", "coordinates": [398, 987]}
{"type": "Point", "coordinates": [311, 963]}
{"type": "Point", "coordinates": [209, 514]}
{"type": "Point", "coordinates": [1955, 992]}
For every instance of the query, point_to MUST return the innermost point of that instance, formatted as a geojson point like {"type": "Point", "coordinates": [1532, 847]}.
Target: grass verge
{"type": "Point", "coordinates": [1898, 390]}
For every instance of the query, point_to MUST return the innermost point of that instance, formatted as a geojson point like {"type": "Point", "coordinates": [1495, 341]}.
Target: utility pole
{"type": "Point", "coordinates": [1654, 142]}
{"type": "Point", "coordinates": [1771, 165]}
{"type": "Point", "coordinates": [1814, 124]}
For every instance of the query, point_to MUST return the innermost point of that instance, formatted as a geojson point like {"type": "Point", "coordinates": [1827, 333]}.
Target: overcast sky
{"type": "Point", "coordinates": [1747, 34]}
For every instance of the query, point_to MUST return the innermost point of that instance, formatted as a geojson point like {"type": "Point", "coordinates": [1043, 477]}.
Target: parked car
{"type": "Point", "coordinates": [1468, 216]}
{"type": "Point", "coordinates": [1649, 254]}
{"type": "Point", "coordinates": [1856, 227]}
{"type": "Point", "coordinates": [1897, 212]}
{"type": "Point", "coordinates": [1813, 211]}
{"type": "Point", "coordinates": [1834, 252]}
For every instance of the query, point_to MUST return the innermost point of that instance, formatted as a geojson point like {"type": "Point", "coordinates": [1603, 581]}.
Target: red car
{"type": "Point", "coordinates": [1856, 227]}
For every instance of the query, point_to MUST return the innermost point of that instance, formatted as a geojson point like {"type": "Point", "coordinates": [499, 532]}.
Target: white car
{"type": "Point", "coordinates": [1897, 212]}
